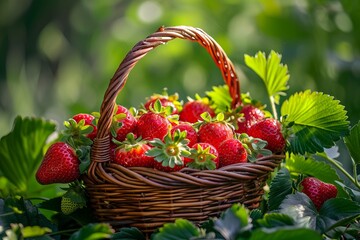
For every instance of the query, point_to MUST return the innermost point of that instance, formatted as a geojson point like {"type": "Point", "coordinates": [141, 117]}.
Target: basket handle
{"type": "Point", "coordinates": [100, 149]}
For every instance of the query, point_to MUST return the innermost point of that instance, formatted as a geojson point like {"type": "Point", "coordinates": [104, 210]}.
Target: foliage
{"type": "Point", "coordinates": [312, 120]}
{"type": "Point", "coordinates": [21, 152]}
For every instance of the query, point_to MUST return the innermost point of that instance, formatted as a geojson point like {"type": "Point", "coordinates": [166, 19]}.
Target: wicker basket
{"type": "Point", "coordinates": [146, 198]}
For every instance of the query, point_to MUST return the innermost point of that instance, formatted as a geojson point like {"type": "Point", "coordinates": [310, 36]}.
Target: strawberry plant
{"type": "Point", "coordinates": [310, 195]}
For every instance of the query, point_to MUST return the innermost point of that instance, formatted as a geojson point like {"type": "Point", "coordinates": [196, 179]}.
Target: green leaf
{"type": "Point", "coordinates": [93, 232]}
{"type": "Point", "coordinates": [301, 209]}
{"type": "Point", "coordinates": [280, 187]}
{"type": "Point", "coordinates": [233, 221]}
{"type": "Point", "coordinates": [21, 150]}
{"type": "Point", "coordinates": [272, 220]}
{"type": "Point", "coordinates": [180, 229]}
{"type": "Point", "coordinates": [353, 142]}
{"type": "Point", "coordinates": [334, 212]}
{"type": "Point", "coordinates": [220, 98]}
{"type": "Point", "coordinates": [129, 234]}
{"type": "Point", "coordinates": [337, 212]}
{"type": "Point", "coordinates": [19, 210]}
{"type": "Point", "coordinates": [318, 119]}
{"type": "Point", "coordinates": [34, 231]}
{"type": "Point", "coordinates": [271, 71]}
{"type": "Point", "coordinates": [285, 233]}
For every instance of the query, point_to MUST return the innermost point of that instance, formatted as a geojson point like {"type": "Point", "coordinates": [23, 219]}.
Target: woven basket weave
{"type": "Point", "coordinates": [146, 198]}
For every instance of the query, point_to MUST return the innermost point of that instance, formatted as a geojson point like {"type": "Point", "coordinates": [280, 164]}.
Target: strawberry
{"type": "Point", "coordinates": [166, 100]}
{"type": "Point", "coordinates": [269, 130]}
{"type": "Point", "coordinates": [203, 156]}
{"type": "Point", "coordinates": [88, 121]}
{"type": "Point", "coordinates": [193, 109]}
{"type": "Point", "coordinates": [250, 116]}
{"type": "Point", "coordinates": [59, 165]}
{"type": "Point", "coordinates": [171, 152]}
{"type": "Point", "coordinates": [68, 206]}
{"type": "Point", "coordinates": [318, 191]}
{"type": "Point", "coordinates": [191, 133]}
{"type": "Point", "coordinates": [152, 125]}
{"type": "Point", "coordinates": [73, 199]}
{"type": "Point", "coordinates": [127, 122]}
{"type": "Point", "coordinates": [155, 123]}
{"type": "Point", "coordinates": [232, 151]}
{"type": "Point", "coordinates": [131, 153]}
{"type": "Point", "coordinates": [214, 130]}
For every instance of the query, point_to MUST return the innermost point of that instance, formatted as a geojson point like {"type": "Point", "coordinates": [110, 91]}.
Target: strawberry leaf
{"type": "Point", "coordinates": [130, 233]}
{"type": "Point", "coordinates": [338, 212]}
{"type": "Point", "coordinates": [233, 221]}
{"type": "Point", "coordinates": [353, 142]}
{"type": "Point", "coordinates": [271, 220]}
{"type": "Point", "coordinates": [21, 150]}
{"type": "Point", "coordinates": [271, 71]}
{"type": "Point", "coordinates": [318, 121]}
{"type": "Point", "coordinates": [335, 212]}
{"type": "Point", "coordinates": [285, 233]}
{"type": "Point", "coordinates": [220, 98]}
{"type": "Point", "coordinates": [280, 187]}
{"type": "Point", "coordinates": [181, 229]}
{"type": "Point", "coordinates": [93, 231]}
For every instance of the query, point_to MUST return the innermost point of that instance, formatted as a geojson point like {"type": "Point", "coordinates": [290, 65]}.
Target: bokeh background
{"type": "Point", "coordinates": [57, 57]}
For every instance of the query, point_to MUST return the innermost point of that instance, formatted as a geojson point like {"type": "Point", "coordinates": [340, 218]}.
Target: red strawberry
{"type": "Point", "coordinates": [128, 123]}
{"type": "Point", "coordinates": [131, 153]}
{"type": "Point", "coordinates": [269, 130]}
{"type": "Point", "coordinates": [152, 125]}
{"type": "Point", "coordinates": [193, 109]}
{"type": "Point", "coordinates": [203, 156]}
{"type": "Point", "coordinates": [59, 165]}
{"type": "Point", "coordinates": [231, 151]}
{"type": "Point", "coordinates": [214, 131]}
{"type": "Point", "coordinates": [191, 133]}
{"type": "Point", "coordinates": [170, 153]}
{"type": "Point", "coordinates": [251, 115]}
{"type": "Point", "coordinates": [318, 191]}
{"type": "Point", "coordinates": [166, 100]}
{"type": "Point", "coordinates": [89, 121]}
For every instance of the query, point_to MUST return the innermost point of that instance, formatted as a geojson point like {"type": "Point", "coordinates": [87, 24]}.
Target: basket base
{"type": "Point", "coordinates": [150, 208]}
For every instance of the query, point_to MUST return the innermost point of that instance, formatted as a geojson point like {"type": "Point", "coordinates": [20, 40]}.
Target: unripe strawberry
{"type": "Point", "coordinates": [68, 206]}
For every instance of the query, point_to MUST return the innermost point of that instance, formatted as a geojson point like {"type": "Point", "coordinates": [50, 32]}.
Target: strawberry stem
{"type": "Point", "coordinates": [273, 106]}
{"type": "Point", "coordinates": [338, 166]}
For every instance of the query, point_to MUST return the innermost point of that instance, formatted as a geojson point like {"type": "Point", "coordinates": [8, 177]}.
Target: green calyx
{"type": "Point", "coordinates": [171, 151]}
{"type": "Point", "coordinates": [130, 142]}
{"type": "Point", "coordinates": [219, 118]}
{"type": "Point", "coordinates": [254, 146]}
{"type": "Point", "coordinates": [75, 133]}
{"type": "Point", "coordinates": [202, 159]}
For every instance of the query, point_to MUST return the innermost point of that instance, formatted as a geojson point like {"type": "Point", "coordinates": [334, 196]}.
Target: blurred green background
{"type": "Point", "coordinates": [57, 57]}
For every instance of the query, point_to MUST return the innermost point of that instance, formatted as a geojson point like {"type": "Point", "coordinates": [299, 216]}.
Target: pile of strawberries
{"type": "Point", "coordinates": [166, 135]}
